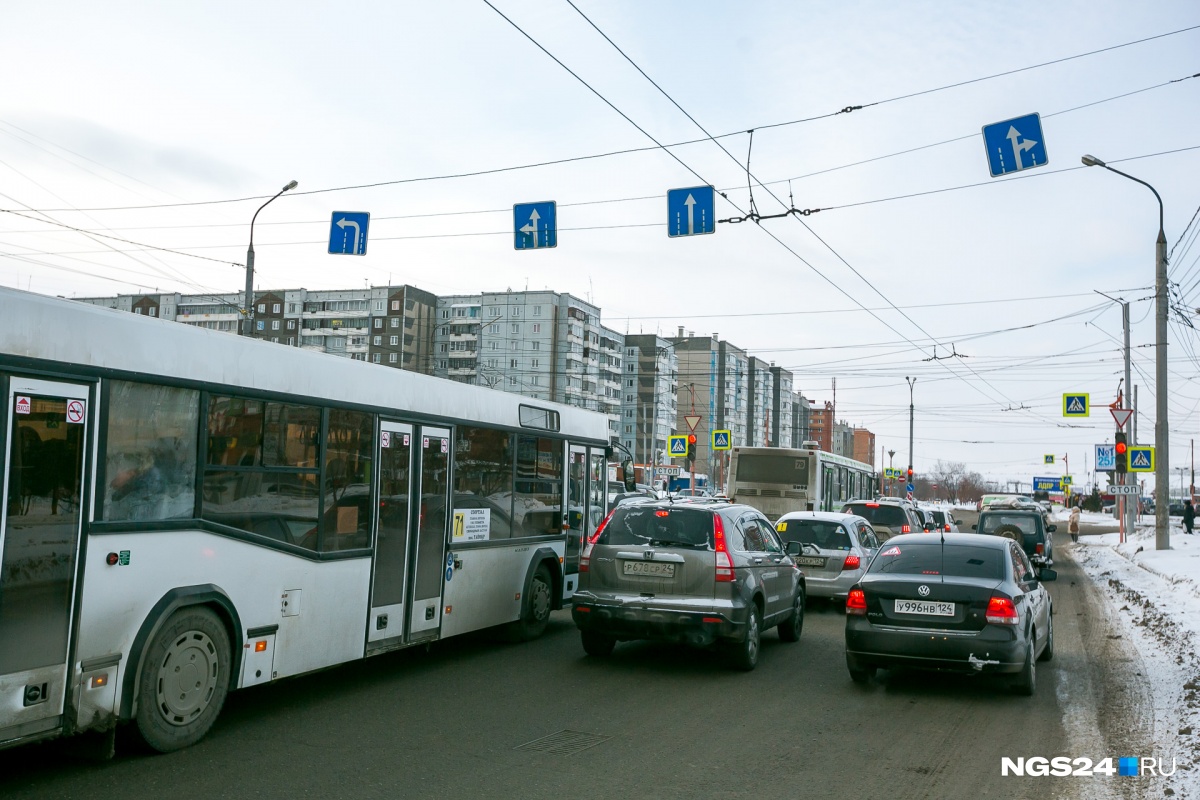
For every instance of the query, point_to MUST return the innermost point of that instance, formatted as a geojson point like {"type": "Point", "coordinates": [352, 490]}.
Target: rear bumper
{"type": "Point", "coordinates": [837, 586]}
{"type": "Point", "coordinates": [663, 624]}
{"type": "Point", "coordinates": [993, 649]}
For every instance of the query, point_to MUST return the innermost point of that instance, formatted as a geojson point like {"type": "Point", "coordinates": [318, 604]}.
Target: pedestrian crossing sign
{"type": "Point", "coordinates": [721, 439]}
{"type": "Point", "coordinates": [1141, 458]}
{"type": "Point", "coordinates": [677, 446]}
{"type": "Point", "coordinates": [1076, 405]}
{"type": "Point", "coordinates": [1048, 459]}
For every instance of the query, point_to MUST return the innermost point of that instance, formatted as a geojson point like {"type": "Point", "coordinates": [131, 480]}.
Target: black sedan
{"type": "Point", "coordinates": [957, 602]}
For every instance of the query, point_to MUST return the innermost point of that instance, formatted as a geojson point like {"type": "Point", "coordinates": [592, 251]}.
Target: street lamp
{"type": "Point", "coordinates": [1162, 470]}
{"type": "Point", "coordinates": [908, 477]}
{"type": "Point", "coordinates": [248, 322]}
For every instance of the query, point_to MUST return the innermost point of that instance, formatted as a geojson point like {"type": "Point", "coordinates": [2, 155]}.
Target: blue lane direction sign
{"type": "Point", "coordinates": [1141, 458]}
{"type": "Point", "coordinates": [677, 446]}
{"type": "Point", "coordinates": [1106, 458]}
{"type": "Point", "coordinates": [1015, 144]}
{"type": "Point", "coordinates": [348, 233]}
{"type": "Point", "coordinates": [535, 225]}
{"type": "Point", "coordinates": [720, 440]}
{"type": "Point", "coordinates": [909, 488]}
{"type": "Point", "coordinates": [1047, 484]}
{"type": "Point", "coordinates": [691, 211]}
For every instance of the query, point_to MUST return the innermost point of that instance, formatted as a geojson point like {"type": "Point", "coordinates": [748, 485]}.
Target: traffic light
{"type": "Point", "coordinates": [1121, 454]}
{"type": "Point", "coordinates": [910, 474]}
{"type": "Point", "coordinates": [691, 447]}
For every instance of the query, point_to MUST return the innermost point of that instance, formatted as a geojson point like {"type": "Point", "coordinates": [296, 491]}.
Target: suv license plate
{"type": "Point", "coordinates": [655, 568]}
{"type": "Point", "coordinates": [925, 608]}
{"type": "Point", "coordinates": [810, 561]}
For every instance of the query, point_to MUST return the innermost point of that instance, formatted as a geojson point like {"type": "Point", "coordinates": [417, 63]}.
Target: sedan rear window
{"type": "Point", "coordinates": [653, 525]}
{"type": "Point", "coordinates": [887, 515]}
{"type": "Point", "coordinates": [961, 561]}
{"type": "Point", "coordinates": [825, 535]}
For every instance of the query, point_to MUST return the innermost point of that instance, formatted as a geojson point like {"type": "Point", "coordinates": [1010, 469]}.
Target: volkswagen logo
{"type": "Point", "coordinates": [923, 590]}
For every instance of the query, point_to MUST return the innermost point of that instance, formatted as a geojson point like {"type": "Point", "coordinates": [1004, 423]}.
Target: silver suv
{"type": "Point", "coordinates": [699, 572]}
{"type": "Point", "coordinates": [889, 516]}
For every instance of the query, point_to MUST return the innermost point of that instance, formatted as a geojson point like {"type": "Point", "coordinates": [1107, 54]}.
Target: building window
{"type": "Point", "coordinates": [494, 311]}
{"type": "Point", "coordinates": [393, 340]}
{"type": "Point", "coordinates": [537, 327]}
{"type": "Point", "coordinates": [262, 308]}
{"type": "Point", "coordinates": [291, 325]}
{"type": "Point", "coordinates": [512, 345]}
{"type": "Point", "coordinates": [537, 311]}
{"type": "Point", "coordinates": [291, 340]}
{"type": "Point", "coordinates": [395, 305]}
{"type": "Point", "coordinates": [391, 358]}
{"type": "Point", "coordinates": [512, 381]}
{"type": "Point", "coordinates": [443, 348]}
{"type": "Point", "coordinates": [512, 363]}
{"type": "Point", "coordinates": [137, 311]}
{"type": "Point", "coordinates": [378, 323]}
{"type": "Point", "coordinates": [275, 325]}
{"type": "Point", "coordinates": [515, 311]}
{"type": "Point", "coordinates": [275, 308]}
{"type": "Point", "coordinates": [445, 313]}
{"type": "Point", "coordinates": [535, 381]}
{"type": "Point", "coordinates": [395, 322]}
{"type": "Point", "coordinates": [375, 358]}
{"type": "Point", "coordinates": [535, 363]}
{"type": "Point", "coordinates": [378, 340]}
{"type": "Point", "coordinates": [535, 345]}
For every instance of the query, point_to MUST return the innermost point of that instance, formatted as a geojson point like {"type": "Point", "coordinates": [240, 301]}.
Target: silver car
{"type": "Point", "coordinates": [698, 572]}
{"type": "Point", "coordinates": [844, 545]}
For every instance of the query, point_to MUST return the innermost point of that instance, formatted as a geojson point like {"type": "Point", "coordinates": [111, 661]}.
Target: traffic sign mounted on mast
{"type": "Point", "coordinates": [1076, 404]}
{"type": "Point", "coordinates": [691, 211]}
{"type": "Point", "coordinates": [1121, 415]}
{"type": "Point", "coordinates": [1015, 144]}
{"type": "Point", "coordinates": [535, 225]}
{"type": "Point", "coordinates": [692, 421]}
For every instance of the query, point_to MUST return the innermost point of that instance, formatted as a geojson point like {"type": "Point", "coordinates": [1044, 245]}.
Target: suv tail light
{"type": "Point", "coordinates": [1039, 549]}
{"type": "Point", "coordinates": [906, 529]}
{"type": "Point", "coordinates": [724, 572]}
{"type": "Point", "coordinates": [852, 562]}
{"type": "Point", "coordinates": [585, 558]}
{"type": "Point", "coordinates": [1001, 611]}
{"type": "Point", "coordinates": [856, 603]}
{"type": "Point", "coordinates": [947, 527]}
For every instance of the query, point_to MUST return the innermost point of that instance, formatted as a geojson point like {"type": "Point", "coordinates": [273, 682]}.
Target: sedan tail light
{"type": "Point", "coordinates": [852, 562]}
{"type": "Point", "coordinates": [1001, 611]}
{"type": "Point", "coordinates": [947, 527]}
{"type": "Point", "coordinates": [856, 603]}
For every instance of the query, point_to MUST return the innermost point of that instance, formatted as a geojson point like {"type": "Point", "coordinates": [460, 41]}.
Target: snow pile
{"type": "Point", "coordinates": [1157, 594]}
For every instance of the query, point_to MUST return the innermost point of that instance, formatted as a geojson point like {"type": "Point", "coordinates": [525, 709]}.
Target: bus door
{"type": "Point", "coordinates": [826, 488]}
{"type": "Point", "coordinates": [389, 585]}
{"type": "Point", "coordinates": [431, 516]}
{"type": "Point", "coordinates": [45, 446]}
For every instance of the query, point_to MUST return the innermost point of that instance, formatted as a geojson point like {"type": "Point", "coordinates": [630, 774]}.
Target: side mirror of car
{"type": "Point", "coordinates": [793, 548]}
{"type": "Point", "coordinates": [1051, 528]}
{"type": "Point", "coordinates": [1047, 574]}
{"type": "Point", "coordinates": [958, 522]}
{"type": "Point", "coordinates": [928, 527]}
{"type": "Point", "coordinates": [974, 527]}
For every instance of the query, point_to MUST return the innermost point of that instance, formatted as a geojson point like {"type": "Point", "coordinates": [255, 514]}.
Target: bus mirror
{"type": "Point", "coordinates": [627, 473]}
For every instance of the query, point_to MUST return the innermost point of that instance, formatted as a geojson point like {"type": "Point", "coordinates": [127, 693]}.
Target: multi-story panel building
{"type": "Point", "coordinates": [760, 384]}
{"type": "Point", "coordinates": [713, 384]}
{"type": "Point", "coordinates": [457, 338]}
{"type": "Point", "coordinates": [864, 446]}
{"type": "Point", "coordinates": [821, 426]}
{"type": "Point", "coordinates": [649, 390]}
{"type": "Point", "coordinates": [609, 389]}
{"type": "Point", "coordinates": [801, 420]}
{"type": "Point", "coordinates": [783, 408]}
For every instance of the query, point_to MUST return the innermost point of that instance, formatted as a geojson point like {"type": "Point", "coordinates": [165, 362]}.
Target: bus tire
{"type": "Point", "coordinates": [185, 675]}
{"type": "Point", "coordinates": [535, 612]}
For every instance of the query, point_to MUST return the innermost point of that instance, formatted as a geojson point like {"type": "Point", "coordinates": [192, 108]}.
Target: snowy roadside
{"type": "Point", "coordinates": [1156, 597]}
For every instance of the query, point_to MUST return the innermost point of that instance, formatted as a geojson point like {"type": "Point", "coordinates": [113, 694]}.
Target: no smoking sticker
{"type": "Point", "coordinates": [75, 411]}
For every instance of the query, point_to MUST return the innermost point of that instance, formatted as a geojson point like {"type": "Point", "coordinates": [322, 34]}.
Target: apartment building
{"type": "Point", "coordinates": [648, 402]}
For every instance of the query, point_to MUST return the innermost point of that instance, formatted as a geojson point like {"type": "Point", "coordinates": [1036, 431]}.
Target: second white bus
{"type": "Point", "coordinates": [777, 480]}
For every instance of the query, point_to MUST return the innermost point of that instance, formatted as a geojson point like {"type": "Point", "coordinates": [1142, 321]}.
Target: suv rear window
{"type": "Point", "coordinates": [957, 560]}
{"type": "Point", "coordinates": [940, 517]}
{"type": "Point", "coordinates": [654, 525]}
{"type": "Point", "coordinates": [825, 535]}
{"type": "Point", "coordinates": [887, 515]}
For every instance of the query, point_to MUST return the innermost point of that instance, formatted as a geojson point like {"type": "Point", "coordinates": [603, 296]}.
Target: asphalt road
{"type": "Point", "coordinates": [659, 721]}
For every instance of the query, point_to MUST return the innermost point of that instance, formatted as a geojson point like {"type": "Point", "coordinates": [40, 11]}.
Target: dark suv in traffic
{"type": "Point", "coordinates": [699, 572]}
{"type": "Point", "coordinates": [1026, 527]}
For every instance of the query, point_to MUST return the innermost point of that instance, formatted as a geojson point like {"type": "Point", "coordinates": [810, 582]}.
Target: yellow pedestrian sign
{"type": "Point", "coordinates": [1048, 459]}
{"type": "Point", "coordinates": [1066, 480]}
{"type": "Point", "coordinates": [722, 440]}
{"type": "Point", "coordinates": [677, 446]}
{"type": "Point", "coordinates": [1075, 404]}
{"type": "Point", "coordinates": [1141, 458]}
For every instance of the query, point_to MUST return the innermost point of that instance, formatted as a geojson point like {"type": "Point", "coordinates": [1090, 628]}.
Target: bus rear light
{"type": "Point", "coordinates": [856, 603]}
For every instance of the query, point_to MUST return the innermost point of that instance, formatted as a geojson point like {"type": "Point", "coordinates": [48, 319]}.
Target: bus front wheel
{"type": "Point", "coordinates": [184, 679]}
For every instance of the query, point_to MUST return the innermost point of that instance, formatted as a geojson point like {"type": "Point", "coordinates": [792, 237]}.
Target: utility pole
{"type": "Point", "coordinates": [911, 381]}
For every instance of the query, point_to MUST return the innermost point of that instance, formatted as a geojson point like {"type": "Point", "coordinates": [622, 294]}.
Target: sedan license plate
{"type": "Point", "coordinates": [925, 608]}
{"type": "Point", "coordinates": [810, 561]}
{"type": "Point", "coordinates": [654, 568]}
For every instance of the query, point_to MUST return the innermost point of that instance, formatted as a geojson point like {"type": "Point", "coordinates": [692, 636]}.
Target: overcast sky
{"type": "Point", "coordinates": [171, 107]}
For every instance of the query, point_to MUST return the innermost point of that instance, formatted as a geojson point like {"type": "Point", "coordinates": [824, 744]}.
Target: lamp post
{"type": "Point", "coordinates": [911, 381]}
{"type": "Point", "coordinates": [248, 322]}
{"type": "Point", "coordinates": [1162, 469]}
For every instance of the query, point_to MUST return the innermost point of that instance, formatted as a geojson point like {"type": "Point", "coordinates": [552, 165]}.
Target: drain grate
{"type": "Point", "coordinates": [564, 743]}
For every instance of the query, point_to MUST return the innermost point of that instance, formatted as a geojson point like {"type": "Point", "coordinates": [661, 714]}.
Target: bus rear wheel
{"type": "Point", "coordinates": [536, 611]}
{"type": "Point", "coordinates": [184, 679]}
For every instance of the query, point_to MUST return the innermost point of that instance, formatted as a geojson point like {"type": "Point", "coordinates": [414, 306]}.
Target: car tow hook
{"type": "Point", "coordinates": [979, 664]}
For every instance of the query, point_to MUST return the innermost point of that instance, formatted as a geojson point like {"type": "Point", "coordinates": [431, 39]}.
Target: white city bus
{"type": "Point", "coordinates": [186, 512]}
{"type": "Point", "coordinates": [776, 480]}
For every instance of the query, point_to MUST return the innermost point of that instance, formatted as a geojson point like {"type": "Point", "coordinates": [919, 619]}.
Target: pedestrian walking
{"type": "Point", "coordinates": [1189, 516]}
{"type": "Point", "coordinates": [1073, 523]}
